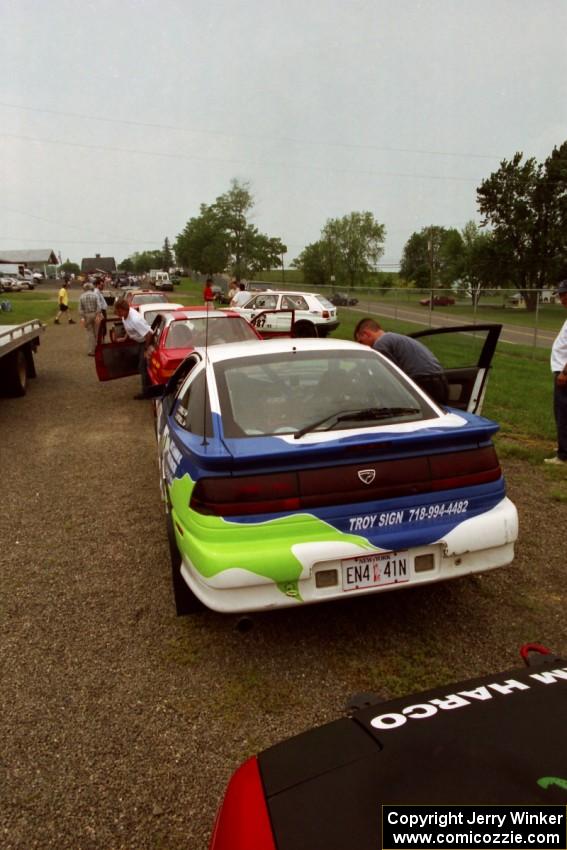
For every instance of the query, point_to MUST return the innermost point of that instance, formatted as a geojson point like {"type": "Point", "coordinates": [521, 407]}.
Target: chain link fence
{"type": "Point", "coordinates": [535, 324]}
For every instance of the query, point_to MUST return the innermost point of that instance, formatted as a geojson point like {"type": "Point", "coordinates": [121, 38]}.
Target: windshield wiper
{"type": "Point", "coordinates": [366, 413]}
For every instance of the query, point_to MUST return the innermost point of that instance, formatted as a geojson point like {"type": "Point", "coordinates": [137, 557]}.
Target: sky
{"type": "Point", "coordinates": [119, 118]}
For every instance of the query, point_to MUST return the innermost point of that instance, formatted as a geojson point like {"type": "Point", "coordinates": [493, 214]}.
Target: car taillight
{"type": "Point", "coordinates": [341, 484]}
{"type": "Point", "coordinates": [243, 821]}
{"type": "Point", "coordinates": [326, 314]}
{"type": "Point", "coordinates": [250, 494]}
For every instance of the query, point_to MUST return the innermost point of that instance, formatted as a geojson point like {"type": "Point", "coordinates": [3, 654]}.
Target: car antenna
{"type": "Point", "coordinates": [205, 441]}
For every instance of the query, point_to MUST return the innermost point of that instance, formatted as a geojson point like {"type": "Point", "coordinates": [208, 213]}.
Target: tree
{"type": "Point", "coordinates": [203, 245]}
{"type": "Point", "coordinates": [355, 244]}
{"type": "Point", "coordinates": [142, 262]}
{"type": "Point", "coordinates": [348, 250]}
{"type": "Point", "coordinates": [526, 205]}
{"type": "Point", "coordinates": [167, 255]}
{"type": "Point", "coordinates": [313, 263]}
{"type": "Point", "coordinates": [69, 267]}
{"type": "Point", "coordinates": [221, 238]}
{"type": "Point", "coordinates": [482, 263]}
{"type": "Point", "coordinates": [432, 257]}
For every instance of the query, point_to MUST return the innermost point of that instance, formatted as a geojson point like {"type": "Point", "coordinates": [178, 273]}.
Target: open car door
{"type": "Point", "coordinates": [466, 352]}
{"type": "Point", "coordinates": [117, 357]}
{"type": "Point", "coordinates": [271, 324]}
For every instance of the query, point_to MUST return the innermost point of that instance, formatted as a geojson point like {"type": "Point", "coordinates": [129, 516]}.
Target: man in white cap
{"type": "Point", "coordinates": [559, 369]}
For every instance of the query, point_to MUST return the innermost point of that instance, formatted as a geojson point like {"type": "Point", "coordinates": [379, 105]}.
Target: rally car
{"type": "Point", "coordinates": [384, 775]}
{"type": "Point", "coordinates": [305, 470]}
{"type": "Point", "coordinates": [315, 315]}
{"type": "Point", "coordinates": [178, 331]}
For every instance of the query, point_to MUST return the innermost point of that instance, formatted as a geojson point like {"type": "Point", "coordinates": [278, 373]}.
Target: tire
{"type": "Point", "coordinates": [14, 373]}
{"type": "Point", "coordinates": [185, 600]}
{"type": "Point", "coordinates": [303, 329]}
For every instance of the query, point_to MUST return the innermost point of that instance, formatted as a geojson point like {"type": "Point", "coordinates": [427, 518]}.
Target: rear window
{"type": "Point", "coordinates": [149, 315]}
{"type": "Point", "coordinates": [284, 393]}
{"type": "Point", "coordinates": [325, 302]}
{"type": "Point", "coordinates": [192, 333]}
{"type": "Point", "coordinates": [148, 299]}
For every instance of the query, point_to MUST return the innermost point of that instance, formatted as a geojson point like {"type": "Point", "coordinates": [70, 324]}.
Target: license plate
{"type": "Point", "coordinates": [376, 570]}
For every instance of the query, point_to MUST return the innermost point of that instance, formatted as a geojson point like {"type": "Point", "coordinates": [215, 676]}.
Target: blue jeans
{"type": "Point", "coordinates": [560, 411]}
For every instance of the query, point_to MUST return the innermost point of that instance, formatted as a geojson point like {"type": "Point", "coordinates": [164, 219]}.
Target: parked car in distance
{"type": "Point", "coordinates": [221, 293]}
{"type": "Point", "coordinates": [342, 299]}
{"type": "Point", "coordinates": [163, 284]}
{"type": "Point", "coordinates": [309, 470]}
{"type": "Point", "coordinates": [314, 314]}
{"type": "Point", "coordinates": [16, 284]}
{"type": "Point", "coordinates": [438, 301]}
{"type": "Point", "coordinates": [135, 297]}
{"type": "Point", "coordinates": [9, 284]}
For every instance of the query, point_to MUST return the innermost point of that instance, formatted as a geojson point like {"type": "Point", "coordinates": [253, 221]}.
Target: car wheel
{"type": "Point", "coordinates": [15, 379]}
{"type": "Point", "coordinates": [185, 600]}
{"type": "Point", "coordinates": [303, 329]}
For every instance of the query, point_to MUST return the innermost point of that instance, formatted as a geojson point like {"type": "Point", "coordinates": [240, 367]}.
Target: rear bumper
{"type": "Point", "coordinates": [476, 545]}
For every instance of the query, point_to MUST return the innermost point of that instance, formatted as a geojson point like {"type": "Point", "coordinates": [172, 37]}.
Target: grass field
{"type": "Point", "coordinates": [519, 394]}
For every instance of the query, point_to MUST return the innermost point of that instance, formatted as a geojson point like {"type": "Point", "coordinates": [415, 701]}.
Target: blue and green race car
{"type": "Point", "coordinates": [297, 471]}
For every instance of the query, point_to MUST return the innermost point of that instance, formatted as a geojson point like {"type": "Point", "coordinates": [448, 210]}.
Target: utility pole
{"type": "Point", "coordinates": [430, 250]}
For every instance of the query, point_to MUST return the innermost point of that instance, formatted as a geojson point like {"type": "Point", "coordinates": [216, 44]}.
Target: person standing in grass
{"type": "Point", "coordinates": [63, 298]}
{"type": "Point", "coordinates": [208, 294]}
{"type": "Point", "coordinates": [559, 370]}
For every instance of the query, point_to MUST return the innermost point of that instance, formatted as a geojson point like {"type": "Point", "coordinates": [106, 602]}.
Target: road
{"type": "Point", "coordinates": [436, 319]}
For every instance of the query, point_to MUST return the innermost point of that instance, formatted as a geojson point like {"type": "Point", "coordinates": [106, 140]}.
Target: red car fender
{"type": "Point", "coordinates": [243, 821]}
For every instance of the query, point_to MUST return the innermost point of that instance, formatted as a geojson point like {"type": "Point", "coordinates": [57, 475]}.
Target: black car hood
{"type": "Point", "coordinates": [500, 739]}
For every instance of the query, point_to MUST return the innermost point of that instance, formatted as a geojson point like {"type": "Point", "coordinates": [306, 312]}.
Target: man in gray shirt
{"type": "Point", "coordinates": [410, 355]}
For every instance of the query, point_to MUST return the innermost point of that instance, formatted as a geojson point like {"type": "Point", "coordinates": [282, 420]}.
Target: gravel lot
{"type": "Point", "coordinates": [121, 723]}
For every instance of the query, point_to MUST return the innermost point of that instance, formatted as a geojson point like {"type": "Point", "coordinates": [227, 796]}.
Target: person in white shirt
{"type": "Point", "coordinates": [559, 369]}
{"type": "Point", "coordinates": [137, 329]}
{"type": "Point", "coordinates": [241, 297]}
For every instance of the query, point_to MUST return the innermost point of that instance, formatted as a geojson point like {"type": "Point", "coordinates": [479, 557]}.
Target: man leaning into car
{"type": "Point", "coordinates": [409, 354]}
{"type": "Point", "coordinates": [137, 329]}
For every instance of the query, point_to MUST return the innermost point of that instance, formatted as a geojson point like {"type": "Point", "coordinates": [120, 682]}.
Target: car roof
{"type": "Point", "coordinates": [288, 292]}
{"type": "Point", "coordinates": [283, 345]}
{"type": "Point", "coordinates": [163, 305]}
{"type": "Point", "coordinates": [202, 313]}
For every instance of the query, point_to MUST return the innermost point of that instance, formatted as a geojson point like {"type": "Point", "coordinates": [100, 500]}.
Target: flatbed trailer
{"type": "Point", "coordinates": [18, 343]}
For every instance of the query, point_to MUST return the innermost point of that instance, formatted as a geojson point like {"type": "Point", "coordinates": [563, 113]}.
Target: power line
{"type": "Point", "coordinates": [62, 224]}
{"type": "Point", "coordinates": [194, 157]}
{"type": "Point", "coordinates": [326, 143]}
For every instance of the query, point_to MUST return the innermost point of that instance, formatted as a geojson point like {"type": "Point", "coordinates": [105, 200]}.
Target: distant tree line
{"type": "Point", "coordinates": [521, 242]}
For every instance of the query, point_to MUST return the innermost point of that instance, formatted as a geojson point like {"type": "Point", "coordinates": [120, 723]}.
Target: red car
{"type": "Point", "coordinates": [177, 333]}
{"type": "Point", "coordinates": [438, 301]}
{"type": "Point", "coordinates": [135, 297]}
